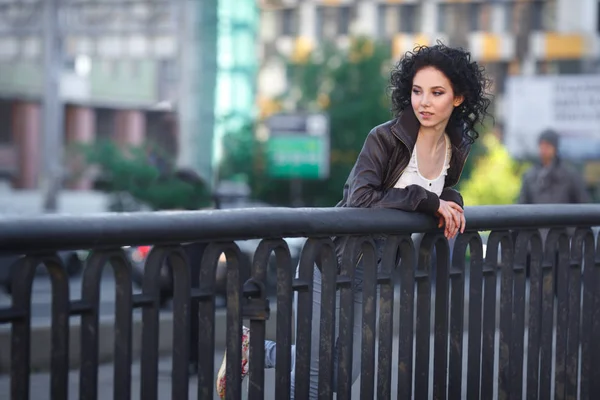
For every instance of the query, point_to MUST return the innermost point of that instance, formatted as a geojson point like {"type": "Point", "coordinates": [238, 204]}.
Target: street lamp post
{"type": "Point", "coordinates": [52, 108]}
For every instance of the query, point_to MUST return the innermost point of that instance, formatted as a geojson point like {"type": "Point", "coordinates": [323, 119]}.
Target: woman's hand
{"type": "Point", "coordinates": [452, 217]}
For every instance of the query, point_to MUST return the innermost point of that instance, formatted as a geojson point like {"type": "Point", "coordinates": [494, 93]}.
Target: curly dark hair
{"type": "Point", "coordinates": [466, 76]}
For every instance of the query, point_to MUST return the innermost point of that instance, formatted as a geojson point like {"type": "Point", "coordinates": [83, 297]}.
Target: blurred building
{"type": "Point", "coordinates": [509, 37]}
{"type": "Point", "coordinates": [163, 71]}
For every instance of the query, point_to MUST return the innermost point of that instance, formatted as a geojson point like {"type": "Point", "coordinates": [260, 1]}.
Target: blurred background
{"type": "Point", "coordinates": [127, 105]}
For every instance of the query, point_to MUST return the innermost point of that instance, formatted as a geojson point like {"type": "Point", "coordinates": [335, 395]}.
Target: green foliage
{"type": "Point", "coordinates": [350, 86]}
{"type": "Point", "coordinates": [239, 153]}
{"type": "Point", "coordinates": [496, 177]}
{"type": "Point", "coordinates": [131, 172]}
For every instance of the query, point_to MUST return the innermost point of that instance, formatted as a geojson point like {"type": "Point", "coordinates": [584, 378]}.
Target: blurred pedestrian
{"type": "Point", "coordinates": [551, 180]}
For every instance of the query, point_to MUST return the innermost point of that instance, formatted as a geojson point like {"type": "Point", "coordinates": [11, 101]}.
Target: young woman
{"type": "Point", "coordinates": [409, 163]}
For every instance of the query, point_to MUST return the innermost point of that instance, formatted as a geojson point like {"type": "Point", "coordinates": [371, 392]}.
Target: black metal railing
{"type": "Point", "coordinates": [509, 311]}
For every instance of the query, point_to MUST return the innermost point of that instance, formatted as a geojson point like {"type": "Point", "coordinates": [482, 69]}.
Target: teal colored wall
{"type": "Point", "coordinates": [237, 67]}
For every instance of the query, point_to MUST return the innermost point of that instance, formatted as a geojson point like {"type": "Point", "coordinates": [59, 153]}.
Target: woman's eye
{"type": "Point", "coordinates": [415, 91]}
{"type": "Point", "coordinates": [438, 93]}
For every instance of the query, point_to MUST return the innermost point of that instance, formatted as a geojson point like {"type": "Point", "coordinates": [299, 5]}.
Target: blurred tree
{"type": "Point", "coordinates": [130, 173]}
{"type": "Point", "coordinates": [496, 177]}
{"type": "Point", "coordinates": [350, 86]}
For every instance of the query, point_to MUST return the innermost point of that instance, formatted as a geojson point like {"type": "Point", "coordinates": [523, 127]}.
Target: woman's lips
{"type": "Point", "coordinates": [426, 114]}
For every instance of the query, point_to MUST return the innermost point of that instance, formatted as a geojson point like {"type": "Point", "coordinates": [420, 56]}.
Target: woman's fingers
{"type": "Point", "coordinates": [463, 223]}
{"type": "Point", "coordinates": [449, 224]}
{"type": "Point", "coordinates": [457, 218]}
{"type": "Point", "coordinates": [456, 207]}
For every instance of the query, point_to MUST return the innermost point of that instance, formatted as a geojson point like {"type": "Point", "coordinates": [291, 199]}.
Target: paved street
{"type": "Point", "coordinates": [40, 381]}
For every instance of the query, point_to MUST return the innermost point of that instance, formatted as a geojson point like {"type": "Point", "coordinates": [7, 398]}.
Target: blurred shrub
{"type": "Point", "coordinates": [495, 177]}
{"type": "Point", "coordinates": [130, 173]}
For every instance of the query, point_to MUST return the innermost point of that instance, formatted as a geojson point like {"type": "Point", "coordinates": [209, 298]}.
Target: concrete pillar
{"type": "Point", "coordinates": [80, 126]}
{"type": "Point", "coordinates": [27, 141]}
{"type": "Point", "coordinates": [130, 128]}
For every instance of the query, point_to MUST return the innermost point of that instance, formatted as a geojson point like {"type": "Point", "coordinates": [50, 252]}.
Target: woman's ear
{"type": "Point", "coordinates": [458, 100]}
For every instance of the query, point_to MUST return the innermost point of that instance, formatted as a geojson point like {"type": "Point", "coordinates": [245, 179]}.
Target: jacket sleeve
{"type": "Point", "coordinates": [449, 194]}
{"type": "Point", "coordinates": [365, 187]}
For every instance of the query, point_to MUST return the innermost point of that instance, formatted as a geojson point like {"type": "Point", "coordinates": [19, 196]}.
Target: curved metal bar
{"type": "Point", "coordinates": [308, 257]}
{"type": "Point", "coordinates": [583, 250]}
{"type": "Point", "coordinates": [582, 261]}
{"type": "Point", "coordinates": [179, 264]}
{"type": "Point", "coordinates": [284, 321]}
{"type": "Point", "coordinates": [90, 295]}
{"type": "Point", "coordinates": [555, 269]}
{"type": "Point", "coordinates": [348, 263]}
{"type": "Point", "coordinates": [423, 329]}
{"type": "Point", "coordinates": [472, 241]}
{"type": "Point", "coordinates": [499, 243]}
{"type": "Point", "coordinates": [329, 269]}
{"type": "Point", "coordinates": [397, 266]}
{"type": "Point", "coordinates": [525, 241]}
{"type": "Point", "coordinates": [237, 272]}
{"type": "Point", "coordinates": [283, 361]}
{"type": "Point", "coordinates": [21, 329]}
{"type": "Point", "coordinates": [369, 316]}
{"type": "Point", "coordinates": [150, 319]}
{"type": "Point", "coordinates": [593, 286]}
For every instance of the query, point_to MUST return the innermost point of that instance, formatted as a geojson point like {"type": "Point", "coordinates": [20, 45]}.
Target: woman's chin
{"type": "Point", "coordinates": [427, 123]}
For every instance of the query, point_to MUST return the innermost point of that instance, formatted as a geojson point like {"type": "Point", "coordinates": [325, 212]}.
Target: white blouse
{"type": "Point", "coordinates": [412, 176]}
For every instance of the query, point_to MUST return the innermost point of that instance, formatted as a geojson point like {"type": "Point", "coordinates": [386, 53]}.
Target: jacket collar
{"type": "Point", "coordinates": [406, 129]}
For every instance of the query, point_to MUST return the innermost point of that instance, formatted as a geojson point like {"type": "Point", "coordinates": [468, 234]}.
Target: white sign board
{"type": "Point", "coordinates": [568, 104]}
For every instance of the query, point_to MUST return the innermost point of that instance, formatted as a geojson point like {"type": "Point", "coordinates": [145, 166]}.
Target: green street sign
{"type": "Point", "coordinates": [298, 146]}
{"type": "Point", "coordinates": [295, 156]}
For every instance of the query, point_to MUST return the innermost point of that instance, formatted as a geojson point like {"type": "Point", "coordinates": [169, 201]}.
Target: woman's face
{"type": "Point", "coordinates": [432, 98]}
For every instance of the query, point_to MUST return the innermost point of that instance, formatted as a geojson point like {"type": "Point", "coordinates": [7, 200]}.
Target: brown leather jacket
{"type": "Point", "coordinates": [384, 156]}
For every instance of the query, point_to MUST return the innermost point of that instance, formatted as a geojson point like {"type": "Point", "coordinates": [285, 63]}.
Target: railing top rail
{"type": "Point", "coordinates": [61, 231]}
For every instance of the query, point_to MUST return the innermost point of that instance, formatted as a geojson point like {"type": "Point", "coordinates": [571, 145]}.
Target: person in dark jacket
{"type": "Point", "coordinates": [410, 163]}
{"type": "Point", "coordinates": [552, 181]}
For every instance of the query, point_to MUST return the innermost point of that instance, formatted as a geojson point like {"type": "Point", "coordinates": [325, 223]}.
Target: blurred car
{"type": "Point", "coordinates": [72, 260]}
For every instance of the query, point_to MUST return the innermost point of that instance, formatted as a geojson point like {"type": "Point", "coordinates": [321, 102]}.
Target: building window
{"type": "Point", "coordinates": [509, 16]}
{"type": "Point", "coordinates": [6, 118]}
{"type": "Point", "coordinates": [475, 16]}
{"type": "Point", "coordinates": [542, 16]}
{"type": "Point", "coordinates": [343, 20]}
{"type": "Point", "coordinates": [333, 21]}
{"type": "Point", "coordinates": [403, 18]}
{"type": "Point", "coordinates": [537, 16]}
{"type": "Point", "coordinates": [480, 17]}
{"type": "Point", "coordinates": [598, 17]}
{"type": "Point", "coordinates": [446, 17]}
{"type": "Point", "coordinates": [289, 22]}
{"type": "Point", "coordinates": [409, 17]}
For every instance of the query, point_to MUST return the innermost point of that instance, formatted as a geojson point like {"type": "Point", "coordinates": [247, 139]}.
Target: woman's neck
{"type": "Point", "coordinates": [430, 138]}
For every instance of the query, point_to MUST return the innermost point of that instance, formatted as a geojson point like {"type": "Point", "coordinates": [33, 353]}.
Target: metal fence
{"type": "Point", "coordinates": [506, 313]}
